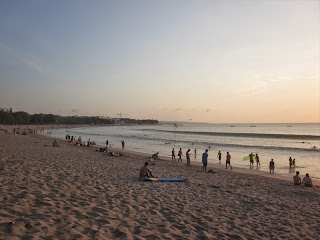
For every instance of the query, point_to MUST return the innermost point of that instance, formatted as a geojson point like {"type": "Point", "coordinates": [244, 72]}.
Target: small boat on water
{"type": "Point", "coordinates": [289, 125]}
{"type": "Point", "coordinates": [253, 126]}
{"type": "Point", "coordinates": [232, 126]}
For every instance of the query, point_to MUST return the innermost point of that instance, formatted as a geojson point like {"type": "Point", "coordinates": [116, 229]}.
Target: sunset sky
{"type": "Point", "coordinates": [210, 61]}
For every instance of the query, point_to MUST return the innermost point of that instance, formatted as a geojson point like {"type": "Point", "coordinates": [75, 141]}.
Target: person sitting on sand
{"type": "Point", "coordinates": [152, 161]}
{"type": "Point", "coordinates": [145, 171]}
{"type": "Point", "coordinates": [155, 156]}
{"type": "Point", "coordinates": [297, 179]}
{"type": "Point", "coordinates": [307, 181]}
{"type": "Point", "coordinates": [55, 143]}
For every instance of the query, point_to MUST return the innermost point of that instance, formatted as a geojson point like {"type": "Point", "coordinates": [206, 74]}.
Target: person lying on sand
{"type": "Point", "coordinates": [145, 171]}
{"type": "Point", "coordinates": [307, 181]}
{"type": "Point", "coordinates": [116, 154]}
{"type": "Point", "coordinates": [55, 143]}
{"type": "Point", "coordinates": [297, 179]}
{"type": "Point", "coordinates": [152, 161]}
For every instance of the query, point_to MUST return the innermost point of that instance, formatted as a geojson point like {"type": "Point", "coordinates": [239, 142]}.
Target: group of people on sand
{"type": "Point", "coordinates": [251, 156]}
{"type": "Point", "coordinates": [307, 181]}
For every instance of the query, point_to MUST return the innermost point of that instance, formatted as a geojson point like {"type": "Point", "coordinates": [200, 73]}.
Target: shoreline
{"type": "Point", "coordinates": [211, 165]}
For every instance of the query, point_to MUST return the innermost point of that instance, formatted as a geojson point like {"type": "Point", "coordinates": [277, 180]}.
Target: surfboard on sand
{"type": "Point", "coordinates": [165, 179]}
{"type": "Point", "coordinates": [248, 158]}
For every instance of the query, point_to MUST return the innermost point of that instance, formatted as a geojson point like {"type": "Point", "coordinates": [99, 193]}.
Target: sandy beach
{"type": "Point", "coordinates": [71, 192]}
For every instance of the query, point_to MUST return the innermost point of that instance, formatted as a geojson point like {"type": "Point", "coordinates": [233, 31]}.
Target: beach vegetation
{"type": "Point", "coordinates": [12, 118]}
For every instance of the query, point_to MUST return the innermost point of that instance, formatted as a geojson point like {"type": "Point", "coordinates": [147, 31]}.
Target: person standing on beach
{"type": "Point", "coordinates": [290, 162]}
{"type": "Point", "coordinates": [228, 160]}
{"type": "Point", "coordinates": [180, 155]}
{"type": "Point", "coordinates": [297, 179]}
{"type": "Point", "coordinates": [205, 160]}
{"type": "Point", "coordinates": [294, 163]}
{"type": "Point", "coordinates": [257, 159]}
{"type": "Point", "coordinates": [271, 166]}
{"type": "Point", "coordinates": [107, 143]}
{"type": "Point", "coordinates": [251, 160]}
{"type": "Point", "coordinates": [219, 157]}
{"type": "Point", "coordinates": [188, 157]}
{"type": "Point", "coordinates": [173, 155]}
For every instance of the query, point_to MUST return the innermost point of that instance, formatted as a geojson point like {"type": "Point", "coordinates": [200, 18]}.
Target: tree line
{"type": "Point", "coordinates": [13, 118]}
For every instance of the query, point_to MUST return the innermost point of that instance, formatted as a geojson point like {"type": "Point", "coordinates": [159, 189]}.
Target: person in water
{"type": "Point", "coordinates": [145, 171]}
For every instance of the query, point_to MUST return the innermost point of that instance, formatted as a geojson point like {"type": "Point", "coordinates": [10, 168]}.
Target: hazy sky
{"type": "Point", "coordinates": [212, 61]}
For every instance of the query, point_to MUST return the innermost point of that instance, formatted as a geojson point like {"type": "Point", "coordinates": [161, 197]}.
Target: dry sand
{"type": "Point", "coordinates": [74, 192]}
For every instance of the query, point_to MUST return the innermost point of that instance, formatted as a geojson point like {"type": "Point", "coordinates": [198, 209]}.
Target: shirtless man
{"type": "Point", "coordinates": [307, 181]}
{"type": "Point", "coordinates": [297, 179]}
{"type": "Point", "coordinates": [145, 171]}
{"type": "Point", "coordinates": [228, 159]}
{"type": "Point", "coordinates": [251, 159]}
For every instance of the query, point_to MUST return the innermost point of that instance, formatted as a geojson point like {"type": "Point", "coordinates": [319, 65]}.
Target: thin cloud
{"type": "Point", "coordinates": [29, 63]}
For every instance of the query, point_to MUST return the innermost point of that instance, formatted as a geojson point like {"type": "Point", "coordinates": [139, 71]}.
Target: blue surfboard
{"type": "Point", "coordinates": [165, 179]}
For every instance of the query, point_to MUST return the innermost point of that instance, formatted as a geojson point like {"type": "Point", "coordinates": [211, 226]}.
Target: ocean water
{"type": "Point", "coordinates": [277, 141]}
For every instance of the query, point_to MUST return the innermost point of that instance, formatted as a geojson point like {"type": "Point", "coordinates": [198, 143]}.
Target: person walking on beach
{"type": "Point", "coordinates": [188, 157]}
{"type": "Point", "coordinates": [257, 159]}
{"type": "Point", "coordinates": [297, 179]}
{"type": "Point", "coordinates": [228, 160]}
{"type": "Point", "coordinates": [180, 155]}
{"type": "Point", "coordinates": [173, 155]}
{"type": "Point", "coordinates": [271, 166]}
{"type": "Point", "coordinates": [251, 160]}
{"type": "Point", "coordinates": [219, 157]}
{"type": "Point", "coordinates": [205, 160]}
